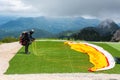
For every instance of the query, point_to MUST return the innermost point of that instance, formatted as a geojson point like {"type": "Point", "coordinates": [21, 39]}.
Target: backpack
{"type": "Point", "coordinates": [23, 40]}
{"type": "Point", "coordinates": [117, 60]}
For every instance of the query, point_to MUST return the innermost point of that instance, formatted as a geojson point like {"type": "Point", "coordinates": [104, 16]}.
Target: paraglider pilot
{"type": "Point", "coordinates": [26, 39]}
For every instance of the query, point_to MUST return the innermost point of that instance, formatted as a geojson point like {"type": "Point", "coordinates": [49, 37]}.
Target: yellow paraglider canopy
{"type": "Point", "coordinates": [97, 57]}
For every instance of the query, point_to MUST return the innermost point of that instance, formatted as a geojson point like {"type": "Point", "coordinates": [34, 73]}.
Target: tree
{"type": "Point", "coordinates": [88, 34]}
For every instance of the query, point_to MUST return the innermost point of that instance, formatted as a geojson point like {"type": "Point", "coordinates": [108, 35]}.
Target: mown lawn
{"type": "Point", "coordinates": [111, 48]}
{"type": "Point", "coordinates": [55, 57]}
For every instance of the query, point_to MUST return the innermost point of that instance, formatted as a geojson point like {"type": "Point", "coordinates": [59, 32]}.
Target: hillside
{"type": "Point", "coordinates": [5, 19]}
{"type": "Point", "coordinates": [116, 36]}
{"type": "Point", "coordinates": [105, 31]}
{"type": "Point", "coordinates": [75, 27]}
{"type": "Point", "coordinates": [38, 33]}
{"type": "Point", "coordinates": [107, 27]}
{"type": "Point", "coordinates": [54, 25]}
{"type": "Point", "coordinates": [49, 25]}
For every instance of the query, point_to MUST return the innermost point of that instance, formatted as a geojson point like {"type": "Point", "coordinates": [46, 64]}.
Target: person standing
{"type": "Point", "coordinates": [26, 39]}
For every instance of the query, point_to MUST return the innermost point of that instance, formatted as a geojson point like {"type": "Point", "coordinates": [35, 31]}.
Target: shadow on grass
{"type": "Point", "coordinates": [21, 53]}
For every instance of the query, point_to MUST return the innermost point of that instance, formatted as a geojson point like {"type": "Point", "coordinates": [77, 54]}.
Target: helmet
{"type": "Point", "coordinates": [32, 31]}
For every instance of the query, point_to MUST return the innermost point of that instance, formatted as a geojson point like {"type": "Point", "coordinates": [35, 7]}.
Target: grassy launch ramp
{"type": "Point", "coordinates": [55, 57]}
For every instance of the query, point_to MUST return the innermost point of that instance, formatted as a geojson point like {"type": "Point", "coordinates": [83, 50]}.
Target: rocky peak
{"type": "Point", "coordinates": [108, 23]}
{"type": "Point", "coordinates": [116, 36]}
{"type": "Point", "coordinates": [107, 26]}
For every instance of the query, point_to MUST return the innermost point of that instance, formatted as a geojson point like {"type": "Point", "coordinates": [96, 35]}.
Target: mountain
{"type": "Point", "coordinates": [38, 33]}
{"type": "Point", "coordinates": [64, 34]}
{"type": "Point", "coordinates": [5, 19]}
{"type": "Point", "coordinates": [50, 25]}
{"type": "Point", "coordinates": [105, 31]}
{"type": "Point", "coordinates": [87, 33]}
{"type": "Point", "coordinates": [53, 25]}
{"type": "Point", "coordinates": [107, 27]}
{"type": "Point", "coordinates": [116, 36]}
{"type": "Point", "coordinates": [42, 34]}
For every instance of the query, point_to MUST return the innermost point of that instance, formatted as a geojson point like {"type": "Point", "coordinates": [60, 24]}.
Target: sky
{"type": "Point", "coordinates": [101, 9]}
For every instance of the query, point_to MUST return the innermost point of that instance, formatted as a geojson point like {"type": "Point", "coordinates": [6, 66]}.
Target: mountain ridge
{"type": "Point", "coordinates": [105, 31]}
{"type": "Point", "coordinates": [51, 25]}
{"type": "Point", "coordinates": [59, 24]}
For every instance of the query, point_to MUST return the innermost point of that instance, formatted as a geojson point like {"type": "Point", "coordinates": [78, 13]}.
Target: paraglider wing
{"type": "Point", "coordinates": [100, 58]}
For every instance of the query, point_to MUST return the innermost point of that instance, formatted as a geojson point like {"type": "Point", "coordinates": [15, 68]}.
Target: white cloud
{"type": "Point", "coordinates": [101, 9]}
{"type": "Point", "coordinates": [14, 6]}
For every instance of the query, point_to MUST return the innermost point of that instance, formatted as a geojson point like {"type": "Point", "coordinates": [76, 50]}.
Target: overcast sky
{"type": "Point", "coordinates": [101, 9]}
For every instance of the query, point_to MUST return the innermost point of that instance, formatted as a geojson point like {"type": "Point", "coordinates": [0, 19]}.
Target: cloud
{"type": "Point", "coordinates": [14, 6]}
{"type": "Point", "coordinates": [95, 8]}
{"type": "Point", "coordinates": [88, 8]}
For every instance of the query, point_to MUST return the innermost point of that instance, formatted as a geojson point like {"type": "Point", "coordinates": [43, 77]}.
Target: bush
{"type": "Point", "coordinates": [9, 39]}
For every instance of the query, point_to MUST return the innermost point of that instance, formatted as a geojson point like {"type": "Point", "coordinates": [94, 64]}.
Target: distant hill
{"type": "Point", "coordinates": [38, 33]}
{"type": "Point", "coordinates": [107, 27]}
{"type": "Point", "coordinates": [89, 34]}
{"type": "Point", "coordinates": [75, 27]}
{"type": "Point", "coordinates": [5, 19]}
{"type": "Point", "coordinates": [105, 31]}
{"type": "Point", "coordinates": [42, 34]}
{"type": "Point", "coordinates": [53, 25]}
{"type": "Point", "coordinates": [49, 25]}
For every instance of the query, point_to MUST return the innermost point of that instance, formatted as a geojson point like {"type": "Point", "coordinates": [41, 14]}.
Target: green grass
{"type": "Point", "coordinates": [55, 57]}
{"type": "Point", "coordinates": [111, 48]}
{"type": "Point", "coordinates": [115, 45]}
